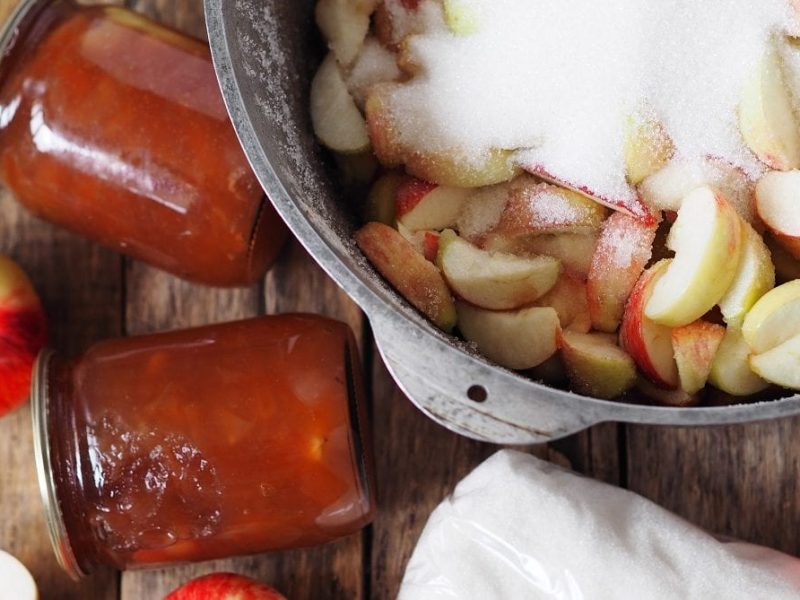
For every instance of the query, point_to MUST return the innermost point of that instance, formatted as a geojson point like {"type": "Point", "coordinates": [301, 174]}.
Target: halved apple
{"type": "Point", "coordinates": [707, 240]}
{"type": "Point", "coordinates": [344, 25]}
{"type": "Point", "coordinates": [494, 280]}
{"type": "Point", "coordinates": [730, 371]}
{"type": "Point", "coordinates": [774, 319]}
{"type": "Point", "coordinates": [596, 365]}
{"type": "Point", "coordinates": [574, 250]}
{"type": "Point", "coordinates": [649, 343]}
{"type": "Point", "coordinates": [519, 339]}
{"type": "Point", "coordinates": [695, 346]}
{"type": "Point", "coordinates": [754, 278]}
{"type": "Point", "coordinates": [780, 365]}
{"type": "Point", "coordinates": [766, 116]}
{"type": "Point", "coordinates": [568, 298]}
{"type": "Point", "coordinates": [424, 205]}
{"type": "Point", "coordinates": [623, 250]}
{"type": "Point", "coordinates": [417, 280]}
{"type": "Point", "coordinates": [648, 147]}
{"type": "Point", "coordinates": [778, 205]}
{"type": "Point", "coordinates": [381, 200]}
{"type": "Point", "coordinates": [337, 121]}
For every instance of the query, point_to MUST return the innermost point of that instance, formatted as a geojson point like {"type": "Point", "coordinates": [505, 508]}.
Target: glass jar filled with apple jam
{"type": "Point", "coordinates": [203, 443]}
{"type": "Point", "coordinates": [114, 127]}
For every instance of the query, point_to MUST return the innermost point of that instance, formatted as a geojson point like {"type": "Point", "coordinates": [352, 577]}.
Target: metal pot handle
{"type": "Point", "coordinates": [467, 395]}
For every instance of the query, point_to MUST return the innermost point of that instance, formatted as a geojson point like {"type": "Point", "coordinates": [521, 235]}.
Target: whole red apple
{"type": "Point", "coordinates": [23, 333]}
{"type": "Point", "coordinates": [225, 586]}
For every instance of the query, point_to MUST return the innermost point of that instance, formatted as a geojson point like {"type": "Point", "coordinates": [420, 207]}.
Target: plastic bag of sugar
{"type": "Point", "coordinates": [520, 528]}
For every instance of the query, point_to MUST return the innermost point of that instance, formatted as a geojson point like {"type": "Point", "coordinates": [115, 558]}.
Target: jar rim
{"type": "Point", "coordinates": [9, 33]}
{"type": "Point", "coordinates": [56, 528]}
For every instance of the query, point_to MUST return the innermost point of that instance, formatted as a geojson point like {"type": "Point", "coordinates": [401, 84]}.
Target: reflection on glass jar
{"type": "Point", "coordinates": [114, 127]}
{"type": "Point", "coordinates": [203, 443]}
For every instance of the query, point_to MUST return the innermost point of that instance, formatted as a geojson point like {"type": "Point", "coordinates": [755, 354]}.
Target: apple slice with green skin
{"type": "Point", "coordinates": [381, 203]}
{"type": "Point", "coordinates": [623, 250]}
{"type": "Point", "coordinates": [731, 371]}
{"type": "Point", "coordinates": [780, 365]}
{"type": "Point", "coordinates": [17, 580]}
{"type": "Point", "coordinates": [425, 242]}
{"type": "Point", "coordinates": [495, 281]}
{"type": "Point", "coordinates": [778, 205]}
{"type": "Point", "coordinates": [517, 340]}
{"type": "Point", "coordinates": [568, 298]}
{"type": "Point", "coordinates": [596, 365]}
{"type": "Point", "coordinates": [344, 25]}
{"type": "Point", "coordinates": [647, 148]}
{"type": "Point", "coordinates": [648, 342]}
{"type": "Point", "coordinates": [224, 586]}
{"type": "Point", "coordinates": [754, 278]}
{"type": "Point", "coordinates": [423, 205]}
{"type": "Point", "coordinates": [417, 280]}
{"type": "Point", "coordinates": [707, 241]}
{"type": "Point", "coordinates": [335, 117]}
{"type": "Point", "coordinates": [574, 250]}
{"type": "Point", "coordinates": [774, 319]}
{"type": "Point", "coordinates": [766, 116]}
{"type": "Point", "coordinates": [695, 346]}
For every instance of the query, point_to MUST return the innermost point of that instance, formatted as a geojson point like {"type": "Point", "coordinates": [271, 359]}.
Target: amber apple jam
{"type": "Point", "coordinates": [114, 127]}
{"type": "Point", "coordinates": [203, 443]}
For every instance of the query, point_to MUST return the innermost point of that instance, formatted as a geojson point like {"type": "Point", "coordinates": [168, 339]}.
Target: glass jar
{"type": "Point", "coordinates": [203, 443]}
{"type": "Point", "coordinates": [114, 127]}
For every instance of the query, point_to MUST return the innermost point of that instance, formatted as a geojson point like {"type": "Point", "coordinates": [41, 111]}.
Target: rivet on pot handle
{"type": "Point", "coordinates": [462, 393]}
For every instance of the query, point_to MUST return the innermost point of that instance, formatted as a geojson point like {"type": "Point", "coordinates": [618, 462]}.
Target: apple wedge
{"type": "Point", "coordinates": [778, 205]}
{"type": "Point", "coordinates": [482, 212]}
{"type": "Point", "coordinates": [707, 240]}
{"type": "Point", "coordinates": [780, 365]}
{"type": "Point", "coordinates": [596, 365]}
{"type": "Point", "coordinates": [517, 340]}
{"type": "Point", "coordinates": [648, 342]}
{"type": "Point", "coordinates": [417, 280]}
{"type": "Point", "coordinates": [344, 25]}
{"type": "Point", "coordinates": [754, 278]}
{"type": "Point", "coordinates": [374, 64]}
{"type": "Point", "coordinates": [494, 280]}
{"type": "Point", "coordinates": [731, 371]}
{"type": "Point", "coordinates": [774, 319]}
{"type": "Point", "coordinates": [647, 148]}
{"type": "Point", "coordinates": [766, 116]}
{"type": "Point", "coordinates": [450, 168]}
{"type": "Point", "coordinates": [381, 205]}
{"type": "Point", "coordinates": [423, 205]}
{"type": "Point", "coordinates": [335, 117]}
{"type": "Point", "coordinates": [574, 250]}
{"type": "Point", "coordinates": [623, 250]}
{"type": "Point", "coordinates": [568, 298]}
{"type": "Point", "coordinates": [695, 346]}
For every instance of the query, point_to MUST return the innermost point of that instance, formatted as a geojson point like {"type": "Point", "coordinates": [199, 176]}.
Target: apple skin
{"type": "Point", "coordinates": [423, 205]}
{"type": "Point", "coordinates": [695, 346]}
{"type": "Point", "coordinates": [23, 333]}
{"type": "Point", "coordinates": [224, 586]}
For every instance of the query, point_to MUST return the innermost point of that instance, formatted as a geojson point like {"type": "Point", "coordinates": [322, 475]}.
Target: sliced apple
{"type": "Point", "coordinates": [649, 343]}
{"type": "Point", "coordinates": [766, 116]}
{"type": "Point", "coordinates": [417, 280]}
{"type": "Point", "coordinates": [707, 240]}
{"type": "Point", "coordinates": [461, 16]}
{"type": "Point", "coordinates": [574, 250]}
{"type": "Point", "coordinates": [568, 298]}
{"type": "Point", "coordinates": [596, 365]}
{"type": "Point", "coordinates": [381, 200]}
{"type": "Point", "coordinates": [494, 280]}
{"type": "Point", "coordinates": [730, 371]}
{"type": "Point", "coordinates": [778, 205]}
{"type": "Point", "coordinates": [374, 64]}
{"type": "Point", "coordinates": [451, 168]}
{"type": "Point", "coordinates": [695, 346]}
{"type": "Point", "coordinates": [381, 125]}
{"type": "Point", "coordinates": [519, 339]}
{"type": "Point", "coordinates": [781, 365]}
{"type": "Point", "coordinates": [677, 397]}
{"type": "Point", "coordinates": [344, 25]}
{"type": "Point", "coordinates": [754, 278]}
{"type": "Point", "coordinates": [423, 205]}
{"type": "Point", "coordinates": [336, 119]}
{"type": "Point", "coordinates": [482, 212]}
{"type": "Point", "coordinates": [774, 319]}
{"type": "Point", "coordinates": [648, 147]}
{"type": "Point", "coordinates": [623, 250]}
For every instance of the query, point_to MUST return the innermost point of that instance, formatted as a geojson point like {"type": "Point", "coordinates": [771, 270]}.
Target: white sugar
{"type": "Point", "coordinates": [558, 80]}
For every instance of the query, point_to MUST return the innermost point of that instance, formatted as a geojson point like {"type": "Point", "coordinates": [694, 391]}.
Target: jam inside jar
{"type": "Point", "coordinates": [114, 127]}
{"type": "Point", "coordinates": [204, 443]}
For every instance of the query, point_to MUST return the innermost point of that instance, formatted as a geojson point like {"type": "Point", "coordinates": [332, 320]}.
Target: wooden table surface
{"type": "Point", "coordinates": [740, 481]}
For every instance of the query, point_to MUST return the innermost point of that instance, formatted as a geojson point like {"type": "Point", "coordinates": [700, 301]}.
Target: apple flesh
{"type": "Point", "coordinates": [695, 346]}
{"type": "Point", "coordinates": [17, 580]}
{"type": "Point", "coordinates": [677, 398]}
{"type": "Point", "coordinates": [780, 365]}
{"type": "Point", "coordinates": [647, 148]}
{"type": "Point", "coordinates": [707, 240]}
{"type": "Point", "coordinates": [415, 278]}
{"type": "Point", "coordinates": [423, 205]}
{"type": "Point", "coordinates": [731, 371]}
{"type": "Point", "coordinates": [774, 319]}
{"type": "Point", "coordinates": [623, 250]}
{"type": "Point", "coordinates": [596, 365]}
{"type": "Point", "coordinates": [225, 586]}
{"type": "Point", "coordinates": [520, 339]}
{"type": "Point", "coordinates": [494, 280]}
{"type": "Point", "coordinates": [23, 333]}
{"type": "Point", "coordinates": [777, 203]}
{"type": "Point", "coordinates": [344, 25]}
{"type": "Point", "coordinates": [574, 250]}
{"type": "Point", "coordinates": [381, 203]}
{"type": "Point", "coordinates": [568, 298]}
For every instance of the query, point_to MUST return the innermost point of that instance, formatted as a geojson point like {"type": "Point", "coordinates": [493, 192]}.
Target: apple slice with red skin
{"type": "Point", "coordinates": [568, 298]}
{"type": "Point", "coordinates": [424, 205]}
{"type": "Point", "coordinates": [415, 278]}
{"type": "Point", "coordinates": [225, 586]}
{"type": "Point", "coordinates": [596, 365]}
{"type": "Point", "coordinates": [649, 343]}
{"type": "Point", "coordinates": [623, 250]}
{"type": "Point", "coordinates": [425, 242]}
{"type": "Point", "coordinates": [695, 346]}
{"type": "Point", "coordinates": [16, 579]}
{"type": "Point", "coordinates": [23, 333]}
{"type": "Point", "coordinates": [778, 205]}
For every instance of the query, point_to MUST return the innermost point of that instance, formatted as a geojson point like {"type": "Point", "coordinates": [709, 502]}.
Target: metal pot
{"type": "Point", "coordinates": [265, 52]}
